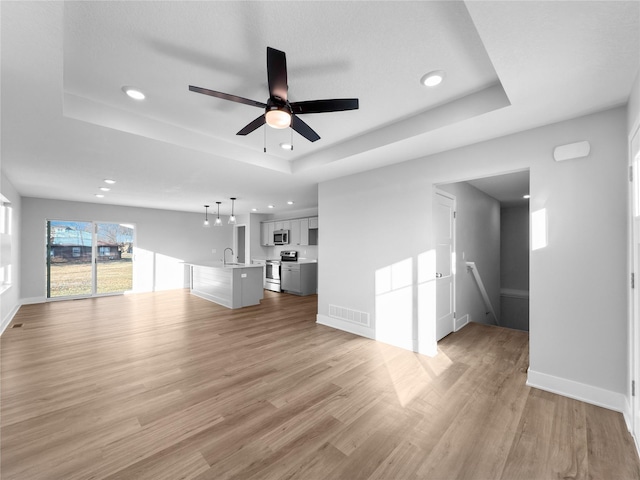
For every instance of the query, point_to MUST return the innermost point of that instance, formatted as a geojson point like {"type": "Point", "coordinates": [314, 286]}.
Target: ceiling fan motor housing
{"type": "Point", "coordinates": [278, 113]}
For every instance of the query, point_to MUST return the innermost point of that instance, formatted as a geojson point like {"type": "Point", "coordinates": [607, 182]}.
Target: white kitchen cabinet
{"type": "Point", "coordinates": [304, 231]}
{"type": "Point", "coordinates": [299, 233]}
{"type": "Point", "coordinates": [283, 225]}
{"type": "Point", "coordinates": [294, 233]}
{"type": "Point", "coordinates": [266, 233]}
{"type": "Point", "coordinates": [313, 222]}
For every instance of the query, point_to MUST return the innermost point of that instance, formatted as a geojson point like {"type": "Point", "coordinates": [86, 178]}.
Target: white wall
{"type": "Point", "coordinates": [578, 283]}
{"type": "Point", "coordinates": [633, 107]}
{"type": "Point", "coordinates": [10, 298]}
{"type": "Point", "coordinates": [477, 240]}
{"type": "Point", "coordinates": [163, 239]}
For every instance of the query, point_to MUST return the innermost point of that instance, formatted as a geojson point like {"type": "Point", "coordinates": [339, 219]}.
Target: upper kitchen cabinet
{"type": "Point", "coordinates": [302, 231]}
{"type": "Point", "coordinates": [313, 231]}
{"type": "Point", "coordinates": [299, 232]}
{"type": "Point", "coordinates": [267, 229]}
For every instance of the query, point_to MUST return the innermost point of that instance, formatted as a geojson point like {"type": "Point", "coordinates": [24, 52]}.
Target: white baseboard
{"type": "Point", "coordinates": [346, 326]}
{"type": "Point", "coordinates": [460, 322]}
{"type": "Point", "coordinates": [7, 320]}
{"type": "Point", "coordinates": [31, 300]}
{"type": "Point", "coordinates": [367, 332]}
{"type": "Point", "coordinates": [580, 391]}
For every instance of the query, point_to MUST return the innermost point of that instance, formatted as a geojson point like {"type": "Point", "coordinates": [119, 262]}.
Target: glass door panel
{"type": "Point", "coordinates": [114, 258]}
{"type": "Point", "coordinates": [69, 259]}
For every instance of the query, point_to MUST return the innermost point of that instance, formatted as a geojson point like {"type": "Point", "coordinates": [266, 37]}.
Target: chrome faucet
{"type": "Point", "coordinates": [224, 255]}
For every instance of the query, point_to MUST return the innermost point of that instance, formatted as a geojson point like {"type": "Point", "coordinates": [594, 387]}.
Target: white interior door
{"type": "Point", "coordinates": [444, 223]}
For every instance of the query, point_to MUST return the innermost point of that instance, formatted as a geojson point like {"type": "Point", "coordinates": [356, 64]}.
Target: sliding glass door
{"type": "Point", "coordinates": [88, 258]}
{"type": "Point", "coordinates": [114, 257]}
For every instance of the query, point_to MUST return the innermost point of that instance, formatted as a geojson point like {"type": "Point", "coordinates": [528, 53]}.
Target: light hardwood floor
{"type": "Point", "coordinates": [170, 386]}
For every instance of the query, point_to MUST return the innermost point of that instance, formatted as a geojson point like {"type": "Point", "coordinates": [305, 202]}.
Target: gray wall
{"type": "Point", "coordinates": [578, 335]}
{"type": "Point", "coordinates": [163, 240]}
{"type": "Point", "coordinates": [514, 267]}
{"type": "Point", "coordinates": [477, 240]}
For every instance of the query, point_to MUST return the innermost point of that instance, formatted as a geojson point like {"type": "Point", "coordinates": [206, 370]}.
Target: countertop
{"type": "Point", "coordinates": [219, 264]}
{"type": "Point", "coordinates": [300, 260]}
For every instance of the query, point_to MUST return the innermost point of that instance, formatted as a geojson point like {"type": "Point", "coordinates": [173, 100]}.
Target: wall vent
{"type": "Point", "coordinates": [349, 315]}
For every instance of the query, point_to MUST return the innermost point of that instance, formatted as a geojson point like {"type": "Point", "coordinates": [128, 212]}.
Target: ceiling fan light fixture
{"type": "Point", "coordinates": [278, 118]}
{"type": "Point", "coordinates": [432, 79]}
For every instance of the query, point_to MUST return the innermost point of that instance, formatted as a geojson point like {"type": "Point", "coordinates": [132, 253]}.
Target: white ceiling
{"type": "Point", "coordinates": [509, 189]}
{"type": "Point", "coordinates": [66, 125]}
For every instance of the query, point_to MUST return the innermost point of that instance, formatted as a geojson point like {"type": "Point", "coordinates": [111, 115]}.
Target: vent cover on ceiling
{"type": "Point", "coordinates": [349, 315]}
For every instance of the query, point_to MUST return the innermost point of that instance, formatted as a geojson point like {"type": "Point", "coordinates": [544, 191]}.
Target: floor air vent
{"type": "Point", "coordinates": [349, 315]}
{"type": "Point", "coordinates": [17, 325]}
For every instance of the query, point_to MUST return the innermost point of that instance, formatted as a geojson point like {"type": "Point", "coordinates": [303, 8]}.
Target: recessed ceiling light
{"type": "Point", "coordinates": [432, 79]}
{"type": "Point", "coordinates": [286, 146]}
{"type": "Point", "coordinates": [109, 181]}
{"type": "Point", "coordinates": [99, 195]}
{"type": "Point", "coordinates": [105, 189]}
{"type": "Point", "coordinates": [133, 93]}
{"type": "Point", "coordinates": [254, 209]}
{"type": "Point", "coordinates": [526, 196]}
{"type": "Point", "coordinates": [289, 202]}
{"type": "Point", "coordinates": [270, 206]}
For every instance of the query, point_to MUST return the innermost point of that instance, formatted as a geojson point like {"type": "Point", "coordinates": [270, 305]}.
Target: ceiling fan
{"type": "Point", "coordinates": [279, 112]}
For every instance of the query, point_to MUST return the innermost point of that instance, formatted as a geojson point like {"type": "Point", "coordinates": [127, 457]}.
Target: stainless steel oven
{"type": "Point", "coordinates": [272, 275]}
{"type": "Point", "coordinates": [273, 269]}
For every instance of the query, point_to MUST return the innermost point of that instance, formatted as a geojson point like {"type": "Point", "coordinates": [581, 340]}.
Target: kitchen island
{"type": "Point", "coordinates": [230, 285]}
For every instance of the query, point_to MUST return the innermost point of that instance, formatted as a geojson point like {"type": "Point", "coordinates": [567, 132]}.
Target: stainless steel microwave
{"type": "Point", "coordinates": [281, 237]}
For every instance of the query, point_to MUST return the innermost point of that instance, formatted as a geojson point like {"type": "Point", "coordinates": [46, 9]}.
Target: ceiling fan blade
{"type": "Point", "coordinates": [258, 122]}
{"type": "Point", "coordinates": [321, 106]}
{"type": "Point", "coordinates": [277, 73]}
{"type": "Point", "coordinates": [303, 129]}
{"type": "Point", "coordinates": [227, 96]}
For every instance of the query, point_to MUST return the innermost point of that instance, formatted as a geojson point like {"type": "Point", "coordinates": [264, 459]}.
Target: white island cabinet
{"type": "Point", "coordinates": [232, 286]}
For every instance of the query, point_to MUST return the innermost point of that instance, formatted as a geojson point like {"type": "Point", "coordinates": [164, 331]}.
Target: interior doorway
{"type": "Point", "coordinates": [240, 243]}
{"type": "Point", "coordinates": [492, 250]}
{"type": "Point", "coordinates": [87, 259]}
{"type": "Point", "coordinates": [444, 208]}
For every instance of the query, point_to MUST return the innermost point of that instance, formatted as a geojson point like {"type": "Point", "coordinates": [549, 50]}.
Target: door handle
{"type": "Point", "coordinates": [438, 275]}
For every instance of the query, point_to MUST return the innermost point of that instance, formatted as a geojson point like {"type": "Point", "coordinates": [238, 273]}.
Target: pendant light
{"type": "Point", "coordinates": [206, 217]}
{"type": "Point", "coordinates": [218, 222]}
{"type": "Point", "coordinates": [232, 218]}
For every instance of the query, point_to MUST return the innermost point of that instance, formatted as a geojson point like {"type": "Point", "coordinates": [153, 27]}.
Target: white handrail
{"type": "Point", "coordinates": [471, 266]}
